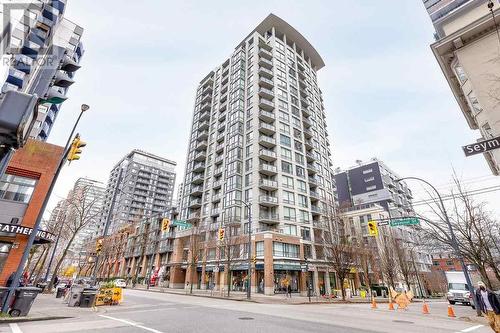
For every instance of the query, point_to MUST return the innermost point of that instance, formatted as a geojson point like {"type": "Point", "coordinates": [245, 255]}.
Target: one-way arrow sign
{"type": "Point", "coordinates": [482, 146]}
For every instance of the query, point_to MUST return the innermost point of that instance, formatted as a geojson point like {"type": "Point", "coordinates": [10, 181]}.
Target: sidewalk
{"type": "Point", "coordinates": [261, 298]}
{"type": "Point", "coordinates": [48, 307]}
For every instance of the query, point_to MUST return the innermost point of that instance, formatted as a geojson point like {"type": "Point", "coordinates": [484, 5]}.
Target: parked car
{"type": "Point", "coordinates": [120, 283]}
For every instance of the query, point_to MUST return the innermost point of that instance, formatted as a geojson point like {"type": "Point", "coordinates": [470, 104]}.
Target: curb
{"type": "Point", "coordinates": [28, 319]}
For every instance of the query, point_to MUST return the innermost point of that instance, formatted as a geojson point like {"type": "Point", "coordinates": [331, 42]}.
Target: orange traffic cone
{"type": "Point", "coordinates": [425, 308]}
{"type": "Point", "coordinates": [374, 304]}
{"type": "Point", "coordinates": [451, 313]}
{"type": "Point", "coordinates": [391, 306]}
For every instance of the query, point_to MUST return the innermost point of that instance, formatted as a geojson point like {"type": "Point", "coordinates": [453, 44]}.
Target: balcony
{"type": "Point", "coordinates": [319, 225]}
{"type": "Point", "coordinates": [309, 144]}
{"type": "Point", "coordinates": [269, 218]}
{"type": "Point", "coordinates": [265, 63]}
{"type": "Point", "coordinates": [196, 203]}
{"type": "Point", "coordinates": [310, 156]}
{"type": "Point", "coordinates": [200, 156]}
{"type": "Point", "coordinates": [206, 98]}
{"type": "Point", "coordinates": [217, 184]}
{"type": "Point", "coordinates": [265, 53]}
{"type": "Point", "coordinates": [313, 181]}
{"type": "Point", "coordinates": [266, 93]}
{"type": "Point", "coordinates": [266, 72]}
{"type": "Point", "coordinates": [264, 82]}
{"type": "Point", "coordinates": [203, 135]}
{"type": "Point", "coordinates": [218, 171]}
{"type": "Point", "coordinates": [306, 112]}
{"type": "Point", "coordinates": [266, 116]}
{"type": "Point", "coordinates": [307, 122]}
{"type": "Point", "coordinates": [203, 125]}
{"type": "Point", "coordinates": [315, 210]}
{"type": "Point", "coordinates": [268, 185]}
{"type": "Point", "coordinates": [216, 197]}
{"type": "Point", "coordinates": [201, 145]}
{"type": "Point", "coordinates": [207, 89]}
{"type": "Point", "coordinates": [215, 212]}
{"type": "Point", "coordinates": [268, 169]}
{"type": "Point", "coordinates": [196, 190]}
{"type": "Point", "coordinates": [314, 196]}
{"type": "Point", "coordinates": [204, 115]}
{"type": "Point", "coordinates": [308, 133]}
{"type": "Point", "coordinates": [267, 128]}
{"type": "Point", "coordinates": [312, 168]}
{"type": "Point", "coordinates": [194, 216]}
{"type": "Point", "coordinates": [220, 137]}
{"type": "Point", "coordinates": [200, 166]}
{"type": "Point", "coordinates": [266, 104]}
{"type": "Point", "coordinates": [304, 102]}
{"type": "Point", "coordinates": [206, 107]}
{"type": "Point", "coordinates": [268, 201]}
{"type": "Point", "coordinates": [219, 159]}
{"type": "Point", "coordinates": [198, 179]}
{"type": "Point", "coordinates": [267, 141]}
{"type": "Point", "coordinates": [267, 155]}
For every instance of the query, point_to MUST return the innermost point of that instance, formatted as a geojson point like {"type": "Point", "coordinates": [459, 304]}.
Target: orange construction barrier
{"type": "Point", "coordinates": [374, 304]}
{"type": "Point", "coordinates": [391, 306]}
{"type": "Point", "coordinates": [425, 308]}
{"type": "Point", "coordinates": [451, 312]}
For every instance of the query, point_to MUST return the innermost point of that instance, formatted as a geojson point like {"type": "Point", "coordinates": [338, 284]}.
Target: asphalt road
{"type": "Point", "coordinates": [144, 311]}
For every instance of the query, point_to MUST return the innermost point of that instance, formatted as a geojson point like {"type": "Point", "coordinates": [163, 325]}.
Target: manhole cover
{"type": "Point", "coordinates": [245, 318]}
{"type": "Point", "coordinates": [403, 322]}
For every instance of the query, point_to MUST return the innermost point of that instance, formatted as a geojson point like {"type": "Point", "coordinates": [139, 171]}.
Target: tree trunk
{"type": "Point", "coordinates": [42, 264]}
{"type": "Point", "coordinates": [59, 262]}
{"type": "Point", "coordinates": [484, 276]}
{"type": "Point", "coordinates": [32, 273]}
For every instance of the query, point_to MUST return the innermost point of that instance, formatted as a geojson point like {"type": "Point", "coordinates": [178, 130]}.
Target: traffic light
{"type": "Point", "coordinates": [98, 246]}
{"type": "Point", "coordinates": [254, 260]}
{"type": "Point", "coordinates": [75, 151]}
{"type": "Point", "coordinates": [165, 224]}
{"type": "Point", "coordinates": [372, 228]}
{"type": "Point", "coordinates": [221, 234]}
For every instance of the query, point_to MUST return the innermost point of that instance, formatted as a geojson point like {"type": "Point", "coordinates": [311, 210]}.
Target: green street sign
{"type": "Point", "coordinates": [182, 224]}
{"type": "Point", "coordinates": [404, 222]}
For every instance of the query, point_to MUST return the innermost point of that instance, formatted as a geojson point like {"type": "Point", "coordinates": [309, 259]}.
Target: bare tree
{"type": "Point", "coordinates": [388, 260]}
{"type": "Point", "coordinates": [196, 249]}
{"type": "Point", "coordinates": [82, 212]}
{"type": "Point", "coordinates": [232, 249]}
{"type": "Point", "coordinates": [341, 256]}
{"type": "Point", "coordinates": [402, 254]}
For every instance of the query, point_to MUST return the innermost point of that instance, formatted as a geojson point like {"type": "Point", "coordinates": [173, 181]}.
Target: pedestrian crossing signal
{"type": "Point", "coordinates": [372, 228]}
{"type": "Point", "coordinates": [98, 247]}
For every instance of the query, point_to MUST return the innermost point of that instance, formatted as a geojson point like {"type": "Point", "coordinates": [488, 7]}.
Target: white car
{"type": "Point", "coordinates": [120, 283]}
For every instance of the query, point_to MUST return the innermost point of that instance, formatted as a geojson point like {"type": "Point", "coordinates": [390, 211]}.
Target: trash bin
{"type": "Point", "coordinates": [75, 296]}
{"type": "Point", "coordinates": [42, 286]}
{"type": "Point", "coordinates": [87, 299]}
{"type": "Point", "coordinates": [60, 292]}
{"type": "Point", "coordinates": [25, 297]}
{"type": "Point", "coordinates": [4, 291]}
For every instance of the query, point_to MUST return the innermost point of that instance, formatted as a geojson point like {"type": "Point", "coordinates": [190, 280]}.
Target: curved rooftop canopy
{"type": "Point", "coordinates": [292, 34]}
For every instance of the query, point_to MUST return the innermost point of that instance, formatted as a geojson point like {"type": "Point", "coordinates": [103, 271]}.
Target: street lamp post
{"type": "Point", "coordinates": [31, 239]}
{"type": "Point", "coordinates": [453, 239]}
{"type": "Point", "coordinates": [249, 274]}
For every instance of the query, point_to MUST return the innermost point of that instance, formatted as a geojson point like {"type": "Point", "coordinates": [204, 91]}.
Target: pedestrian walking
{"type": "Point", "coordinates": [289, 290]}
{"type": "Point", "coordinates": [489, 304]}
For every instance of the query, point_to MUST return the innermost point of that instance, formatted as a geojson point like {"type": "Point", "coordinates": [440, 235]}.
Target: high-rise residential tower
{"type": "Point", "coordinates": [259, 136]}
{"type": "Point", "coordinates": [141, 185]}
{"type": "Point", "coordinates": [41, 51]}
{"type": "Point", "coordinates": [467, 50]}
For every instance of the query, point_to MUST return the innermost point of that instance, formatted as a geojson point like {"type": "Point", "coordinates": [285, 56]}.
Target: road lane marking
{"type": "Point", "coordinates": [470, 329]}
{"type": "Point", "coordinates": [15, 328]}
{"type": "Point", "coordinates": [131, 324]}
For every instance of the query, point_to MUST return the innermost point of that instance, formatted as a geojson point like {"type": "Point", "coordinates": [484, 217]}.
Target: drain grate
{"type": "Point", "coordinates": [403, 322]}
{"type": "Point", "coordinates": [246, 318]}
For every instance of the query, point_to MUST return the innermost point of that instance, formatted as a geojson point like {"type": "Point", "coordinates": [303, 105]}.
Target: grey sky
{"type": "Point", "coordinates": [384, 92]}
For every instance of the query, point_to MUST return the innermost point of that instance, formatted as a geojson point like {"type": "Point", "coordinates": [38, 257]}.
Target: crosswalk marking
{"type": "Point", "coordinates": [131, 324]}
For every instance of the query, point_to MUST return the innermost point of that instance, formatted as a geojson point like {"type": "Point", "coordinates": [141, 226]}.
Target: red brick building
{"type": "Point", "coordinates": [22, 192]}
{"type": "Point", "coordinates": [445, 263]}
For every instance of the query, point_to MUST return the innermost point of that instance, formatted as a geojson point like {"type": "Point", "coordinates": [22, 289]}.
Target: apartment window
{"type": "Point", "coordinates": [486, 131]}
{"type": "Point", "coordinates": [303, 216]}
{"type": "Point", "coordinates": [289, 213]}
{"type": "Point", "coordinates": [259, 249]}
{"type": "Point", "coordinates": [284, 128]}
{"type": "Point", "coordinates": [288, 197]}
{"type": "Point", "coordinates": [299, 158]}
{"type": "Point", "coordinates": [302, 186]}
{"type": "Point", "coordinates": [298, 145]}
{"type": "Point", "coordinates": [286, 167]}
{"type": "Point", "coordinates": [248, 151]}
{"type": "Point", "coordinates": [307, 250]}
{"type": "Point", "coordinates": [284, 116]}
{"type": "Point", "coordinates": [287, 182]}
{"type": "Point", "coordinates": [306, 234]}
{"type": "Point", "coordinates": [302, 200]}
{"type": "Point", "coordinates": [371, 188]}
{"type": "Point", "coordinates": [16, 188]}
{"type": "Point", "coordinates": [286, 153]}
{"type": "Point", "coordinates": [285, 250]}
{"type": "Point", "coordinates": [290, 229]}
{"type": "Point", "coordinates": [300, 172]}
{"type": "Point", "coordinates": [285, 140]}
{"type": "Point", "coordinates": [460, 73]}
{"type": "Point", "coordinates": [248, 164]}
{"type": "Point", "coordinates": [474, 103]}
{"type": "Point", "coordinates": [367, 171]}
{"type": "Point", "coordinates": [248, 179]}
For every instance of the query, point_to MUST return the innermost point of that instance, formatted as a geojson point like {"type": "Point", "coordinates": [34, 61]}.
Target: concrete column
{"type": "Point", "coordinates": [328, 290]}
{"type": "Point", "coordinates": [268, 265]}
{"type": "Point", "coordinates": [203, 277]}
{"type": "Point", "coordinates": [303, 284]}
{"type": "Point", "coordinates": [316, 280]}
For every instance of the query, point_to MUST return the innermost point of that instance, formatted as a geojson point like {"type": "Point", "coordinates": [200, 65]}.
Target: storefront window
{"type": "Point", "coordinates": [16, 188]}
{"type": "Point", "coordinates": [284, 278]}
{"type": "Point", "coordinates": [4, 253]}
